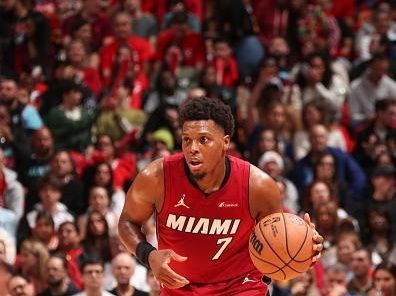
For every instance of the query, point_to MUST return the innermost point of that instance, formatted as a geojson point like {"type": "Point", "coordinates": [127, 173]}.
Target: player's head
{"type": "Point", "coordinates": [207, 127]}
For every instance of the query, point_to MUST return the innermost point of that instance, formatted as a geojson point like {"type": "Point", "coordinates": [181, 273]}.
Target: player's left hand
{"type": "Point", "coordinates": [317, 239]}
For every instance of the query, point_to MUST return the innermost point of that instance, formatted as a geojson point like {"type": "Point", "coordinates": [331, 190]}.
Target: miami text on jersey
{"type": "Point", "coordinates": [202, 225]}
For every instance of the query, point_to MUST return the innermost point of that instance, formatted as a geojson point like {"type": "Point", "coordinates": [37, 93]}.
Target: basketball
{"type": "Point", "coordinates": [280, 246]}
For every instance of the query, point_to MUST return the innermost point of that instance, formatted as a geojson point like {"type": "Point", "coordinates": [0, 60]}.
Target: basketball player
{"type": "Point", "coordinates": [206, 205]}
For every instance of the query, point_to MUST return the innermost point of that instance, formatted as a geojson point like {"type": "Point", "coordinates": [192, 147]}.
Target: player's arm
{"type": "Point", "coordinates": [265, 199]}
{"type": "Point", "coordinates": [264, 195]}
{"type": "Point", "coordinates": [144, 196]}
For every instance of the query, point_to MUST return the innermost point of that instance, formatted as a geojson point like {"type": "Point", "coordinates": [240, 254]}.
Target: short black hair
{"type": "Point", "coordinates": [384, 104]}
{"type": "Point", "coordinates": [204, 108]}
{"type": "Point", "coordinates": [91, 259]}
{"type": "Point", "coordinates": [49, 180]}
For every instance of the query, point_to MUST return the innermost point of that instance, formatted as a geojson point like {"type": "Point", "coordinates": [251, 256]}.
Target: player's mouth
{"type": "Point", "coordinates": [195, 165]}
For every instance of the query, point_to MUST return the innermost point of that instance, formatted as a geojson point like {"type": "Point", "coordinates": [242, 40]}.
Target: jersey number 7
{"type": "Point", "coordinates": [225, 242]}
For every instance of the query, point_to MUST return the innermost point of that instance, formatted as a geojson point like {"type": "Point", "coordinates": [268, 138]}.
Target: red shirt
{"type": "Point", "coordinates": [101, 28]}
{"type": "Point", "coordinates": [192, 46]}
{"type": "Point", "coordinates": [92, 80]}
{"type": "Point", "coordinates": [141, 53]}
{"type": "Point", "coordinates": [3, 202]}
{"type": "Point", "coordinates": [211, 231]}
{"type": "Point", "coordinates": [226, 72]}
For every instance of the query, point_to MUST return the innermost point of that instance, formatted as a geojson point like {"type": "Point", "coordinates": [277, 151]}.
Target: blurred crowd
{"type": "Point", "coordinates": [89, 95]}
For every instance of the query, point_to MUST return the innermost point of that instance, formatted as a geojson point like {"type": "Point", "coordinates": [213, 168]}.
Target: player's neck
{"type": "Point", "coordinates": [214, 180]}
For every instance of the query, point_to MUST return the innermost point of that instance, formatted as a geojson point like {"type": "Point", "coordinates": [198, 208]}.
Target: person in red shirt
{"type": "Point", "coordinates": [192, 44]}
{"type": "Point", "coordinates": [225, 64]}
{"type": "Point", "coordinates": [206, 204]}
{"type": "Point", "coordinates": [102, 30]}
{"type": "Point", "coordinates": [79, 66]}
{"type": "Point", "coordinates": [69, 245]}
{"type": "Point", "coordinates": [124, 52]}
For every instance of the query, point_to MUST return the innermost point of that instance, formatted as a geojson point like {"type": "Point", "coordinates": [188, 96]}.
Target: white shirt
{"type": "Point", "coordinates": [60, 215]}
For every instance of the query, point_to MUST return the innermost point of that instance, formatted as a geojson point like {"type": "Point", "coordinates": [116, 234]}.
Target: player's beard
{"type": "Point", "coordinates": [199, 176]}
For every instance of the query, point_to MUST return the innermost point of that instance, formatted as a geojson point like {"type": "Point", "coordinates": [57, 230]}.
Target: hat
{"type": "Point", "coordinates": [384, 171]}
{"type": "Point", "coordinates": [165, 136]}
{"type": "Point", "coordinates": [271, 156]}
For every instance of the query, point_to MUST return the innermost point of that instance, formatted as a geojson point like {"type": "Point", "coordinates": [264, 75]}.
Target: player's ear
{"type": "Point", "coordinates": [227, 142]}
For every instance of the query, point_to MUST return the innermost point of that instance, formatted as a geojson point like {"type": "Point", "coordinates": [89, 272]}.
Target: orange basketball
{"type": "Point", "coordinates": [280, 246]}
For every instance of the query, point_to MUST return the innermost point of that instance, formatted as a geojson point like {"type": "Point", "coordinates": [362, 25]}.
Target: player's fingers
{"type": "Point", "coordinates": [318, 248]}
{"type": "Point", "coordinates": [171, 276]}
{"type": "Point", "coordinates": [177, 257]}
{"type": "Point", "coordinates": [174, 280]}
{"type": "Point", "coordinates": [307, 219]}
{"type": "Point", "coordinates": [316, 258]}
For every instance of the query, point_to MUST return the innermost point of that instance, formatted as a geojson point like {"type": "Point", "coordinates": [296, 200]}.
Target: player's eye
{"type": "Point", "coordinates": [203, 140]}
{"type": "Point", "coordinates": [186, 140]}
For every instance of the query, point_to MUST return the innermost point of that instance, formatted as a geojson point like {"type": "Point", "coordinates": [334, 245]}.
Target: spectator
{"type": "Point", "coordinates": [123, 165]}
{"type": "Point", "coordinates": [191, 43]}
{"type": "Point", "coordinates": [380, 24]}
{"type": "Point", "coordinates": [325, 170]}
{"type": "Point", "coordinates": [373, 85]}
{"type": "Point", "coordinates": [6, 272]}
{"type": "Point", "coordinates": [50, 194]}
{"type": "Point", "coordinates": [139, 50]}
{"type": "Point", "coordinates": [384, 279]}
{"type": "Point", "coordinates": [123, 268]}
{"type": "Point", "coordinates": [361, 266]}
{"type": "Point", "coordinates": [7, 247]}
{"type": "Point", "coordinates": [382, 195]}
{"type": "Point", "coordinates": [376, 132]}
{"type": "Point", "coordinates": [24, 117]}
{"type": "Point", "coordinates": [347, 168]}
{"type": "Point", "coordinates": [267, 141]}
{"type": "Point", "coordinates": [92, 271]}
{"type": "Point", "coordinates": [316, 113]}
{"type": "Point", "coordinates": [69, 245]}
{"type": "Point", "coordinates": [380, 239]}
{"type": "Point", "coordinates": [144, 23]}
{"type": "Point", "coordinates": [102, 175]}
{"type": "Point", "coordinates": [122, 115]}
{"type": "Point", "coordinates": [44, 231]}
{"type": "Point", "coordinates": [82, 31]}
{"type": "Point", "coordinates": [58, 280]}
{"type": "Point", "coordinates": [29, 35]}
{"type": "Point", "coordinates": [62, 168]}
{"type": "Point", "coordinates": [102, 30]}
{"type": "Point", "coordinates": [19, 285]}
{"type": "Point", "coordinates": [347, 244]}
{"type": "Point", "coordinates": [35, 164]}
{"type": "Point", "coordinates": [180, 6]}
{"type": "Point", "coordinates": [336, 283]}
{"type": "Point", "coordinates": [69, 122]}
{"type": "Point", "coordinates": [153, 284]}
{"type": "Point", "coordinates": [79, 66]}
{"type": "Point", "coordinates": [97, 238]}
{"type": "Point", "coordinates": [33, 263]}
{"type": "Point", "coordinates": [272, 163]}
{"type": "Point", "coordinates": [99, 201]}
{"type": "Point", "coordinates": [11, 197]}
{"type": "Point", "coordinates": [317, 81]}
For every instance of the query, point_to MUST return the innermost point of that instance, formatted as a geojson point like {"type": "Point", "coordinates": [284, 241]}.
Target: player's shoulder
{"type": "Point", "coordinates": [258, 176]}
{"type": "Point", "coordinates": [154, 169]}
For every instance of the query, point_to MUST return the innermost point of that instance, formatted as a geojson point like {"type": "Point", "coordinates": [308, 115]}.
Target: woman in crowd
{"type": "Point", "coordinates": [32, 263]}
{"type": "Point", "coordinates": [384, 278]}
{"type": "Point", "coordinates": [44, 231]}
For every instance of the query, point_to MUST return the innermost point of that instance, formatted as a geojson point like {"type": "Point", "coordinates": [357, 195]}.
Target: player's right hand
{"type": "Point", "coordinates": [159, 262]}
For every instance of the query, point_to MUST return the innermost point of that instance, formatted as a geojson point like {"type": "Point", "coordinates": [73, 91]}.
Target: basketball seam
{"type": "Point", "coordinates": [285, 263]}
{"type": "Point", "coordinates": [287, 243]}
{"type": "Point", "coordinates": [270, 263]}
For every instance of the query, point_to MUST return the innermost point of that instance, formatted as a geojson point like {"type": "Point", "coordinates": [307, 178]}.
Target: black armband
{"type": "Point", "coordinates": [143, 250]}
